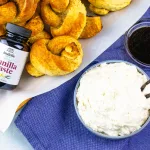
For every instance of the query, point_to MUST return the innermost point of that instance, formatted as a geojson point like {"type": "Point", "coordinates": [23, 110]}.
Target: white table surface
{"type": "Point", "coordinates": [13, 139]}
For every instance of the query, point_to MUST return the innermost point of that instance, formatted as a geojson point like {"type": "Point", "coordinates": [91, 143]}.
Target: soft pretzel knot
{"type": "Point", "coordinates": [36, 25]}
{"type": "Point", "coordinates": [17, 11]}
{"type": "Point", "coordinates": [66, 17]}
{"type": "Point", "coordinates": [103, 7]}
{"type": "Point", "coordinates": [22, 12]}
{"type": "Point", "coordinates": [47, 57]}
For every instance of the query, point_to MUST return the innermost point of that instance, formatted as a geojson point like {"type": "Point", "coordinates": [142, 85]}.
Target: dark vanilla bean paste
{"type": "Point", "coordinates": [139, 45]}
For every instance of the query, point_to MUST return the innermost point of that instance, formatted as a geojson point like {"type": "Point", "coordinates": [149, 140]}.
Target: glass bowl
{"type": "Point", "coordinates": [90, 129]}
{"type": "Point", "coordinates": [140, 24]}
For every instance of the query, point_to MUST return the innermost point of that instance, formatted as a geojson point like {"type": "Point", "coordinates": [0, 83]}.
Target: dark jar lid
{"type": "Point", "coordinates": [18, 30]}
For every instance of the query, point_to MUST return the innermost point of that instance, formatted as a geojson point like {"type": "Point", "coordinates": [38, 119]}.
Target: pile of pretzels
{"type": "Point", "coordinates": [56, 50]}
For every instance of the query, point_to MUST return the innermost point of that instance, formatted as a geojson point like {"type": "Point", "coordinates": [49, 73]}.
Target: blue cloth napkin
{"type": "Point", "coordinates": [49, 121]}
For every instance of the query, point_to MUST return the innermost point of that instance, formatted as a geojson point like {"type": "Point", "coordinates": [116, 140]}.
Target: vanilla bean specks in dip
{"type": "Point", "coordinates": [110, 100]}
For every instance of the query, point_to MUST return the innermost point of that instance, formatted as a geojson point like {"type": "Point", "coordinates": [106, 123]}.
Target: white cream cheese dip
{"type": "Point", "coordinates": [110, 100]}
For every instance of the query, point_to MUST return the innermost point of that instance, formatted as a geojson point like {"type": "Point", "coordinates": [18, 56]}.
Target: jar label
{"type": "Point", "coordinates": [12, 62]}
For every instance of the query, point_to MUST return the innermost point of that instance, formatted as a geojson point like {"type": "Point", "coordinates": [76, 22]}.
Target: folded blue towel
{"type": "Point", "coordinates": [49, 121]}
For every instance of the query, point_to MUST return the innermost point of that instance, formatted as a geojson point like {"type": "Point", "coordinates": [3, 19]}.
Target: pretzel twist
{"type": "Point", "coordinates": [36, 25]}
{"type": "Point", "coordinates": [103, 7]}
{"type": "Point", "coordinates": [17, 11]}
{"type": "Point", "coordinates": [66, 17]}
{"type": "Point", "coordinates": [47, 57]}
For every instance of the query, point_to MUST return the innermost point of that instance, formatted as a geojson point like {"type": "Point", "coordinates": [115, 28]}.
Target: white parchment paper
{"type": "Point", "coordinates": [114, 25]}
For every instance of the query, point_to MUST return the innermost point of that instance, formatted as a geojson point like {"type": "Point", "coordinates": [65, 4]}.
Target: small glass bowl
{"type": "Point", "coordinates": [140, 24]}
{"type": "Point", "coordinates": [90, 129]}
